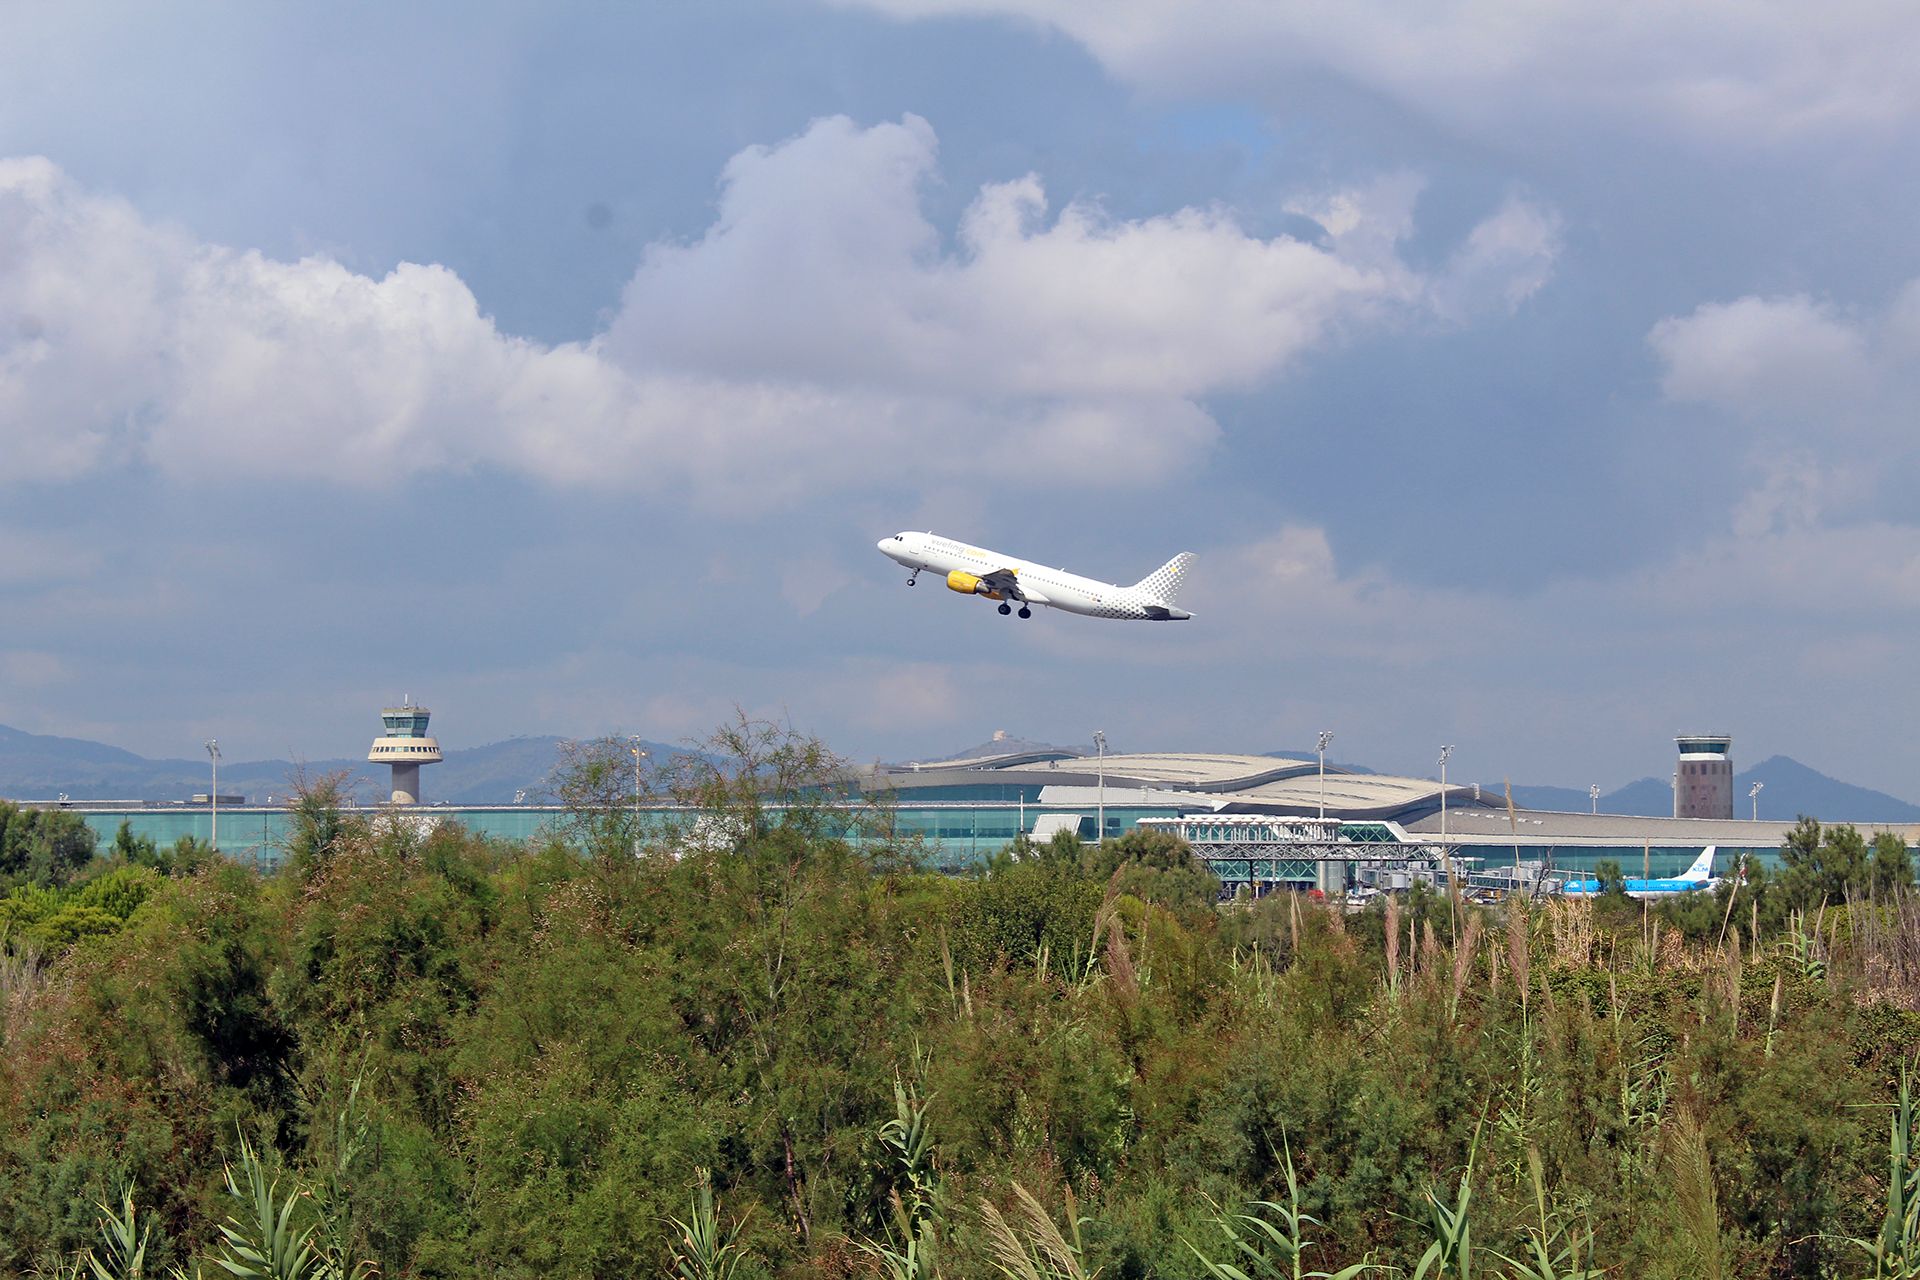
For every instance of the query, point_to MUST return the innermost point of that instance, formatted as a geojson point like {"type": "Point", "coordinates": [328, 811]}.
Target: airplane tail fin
{"type": "Point", "coordinates": [1163, 584]}
{"type": "Point", "coordinates": [1702, 868]}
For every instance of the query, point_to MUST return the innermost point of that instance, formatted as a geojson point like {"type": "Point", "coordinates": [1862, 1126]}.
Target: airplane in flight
{"type": "Point", "coordinates": [974, 571]}
{"type": "Point", "coordinates": [1697, 878]}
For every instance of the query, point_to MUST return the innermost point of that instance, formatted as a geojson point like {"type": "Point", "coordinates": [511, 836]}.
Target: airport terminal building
{"type": "Point", "coordinates": [977, 805]}
{"type": "Point", "coordinates": [1247, 813]}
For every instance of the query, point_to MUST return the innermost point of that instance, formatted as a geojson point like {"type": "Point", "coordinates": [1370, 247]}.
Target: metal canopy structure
{"type": "Point", "coordinates": [1190, 780]}
{"type": "Point", "coordinates": [1260, 850]}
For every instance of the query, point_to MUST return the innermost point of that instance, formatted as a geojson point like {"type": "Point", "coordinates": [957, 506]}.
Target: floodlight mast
{"type": "Point", "coordinates": [1320, 749]}
{"type": "Point", "coordinates": [1593, 794]}
{"type": "Point", "coordinates": [1100, 750]}
{"type": "Point", "coordinates": [633, 740]}
{"type": "Point", "coordinates": [1445, 753]}
{"type": "Point", "coordinates": [638, 755]}
{"type": "Point", "coordinates": [1754, 795]}
{"type": "Point", "coordinates": [213, 796]}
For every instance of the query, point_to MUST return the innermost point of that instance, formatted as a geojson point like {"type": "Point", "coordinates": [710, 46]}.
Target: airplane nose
{"type": "Point", "coordinates": [882, 544]}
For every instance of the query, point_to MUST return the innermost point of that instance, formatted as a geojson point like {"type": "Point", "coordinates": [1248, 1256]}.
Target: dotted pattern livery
{"type": "Point", "coordinates": [1163, 585]}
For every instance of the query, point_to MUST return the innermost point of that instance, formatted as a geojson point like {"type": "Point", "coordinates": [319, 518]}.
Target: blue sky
{"type": "Point", "coordinates": [1536, 382]}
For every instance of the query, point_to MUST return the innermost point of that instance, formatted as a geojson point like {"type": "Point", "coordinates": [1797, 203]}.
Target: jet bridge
{"type": "Point", "coordinates": [1267, 852]}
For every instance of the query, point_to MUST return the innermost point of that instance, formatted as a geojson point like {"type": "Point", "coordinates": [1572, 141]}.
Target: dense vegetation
{"type": "Point", "coordinates": [745, 1046]}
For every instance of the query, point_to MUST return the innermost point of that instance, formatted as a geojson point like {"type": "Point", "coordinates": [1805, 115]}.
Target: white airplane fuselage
{"type": "Point", "coordinates": [972, 570]}
{"type": "Point", "coordinates": [1698, 878]}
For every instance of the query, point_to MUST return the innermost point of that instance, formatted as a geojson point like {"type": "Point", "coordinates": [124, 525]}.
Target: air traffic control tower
{"type": "Point", "coordinates": [1703, 783]}
{"type": "Point", "coordinates": [406, 746]}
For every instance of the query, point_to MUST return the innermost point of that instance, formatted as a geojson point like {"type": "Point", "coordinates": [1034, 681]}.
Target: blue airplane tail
{"type": "Point", "coordinates": [1702, 868]}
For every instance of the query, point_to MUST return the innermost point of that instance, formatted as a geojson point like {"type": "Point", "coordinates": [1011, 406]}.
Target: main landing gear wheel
{"type": "Point", "coordinates": [913, 577]}
{"type": "Point", "coordinates": [1005, 609]}
{"type": "Point", "coordinates": [1025, 612]}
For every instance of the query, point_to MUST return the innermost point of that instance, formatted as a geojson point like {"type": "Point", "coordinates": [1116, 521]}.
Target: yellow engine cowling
{"type": "Point", "coordinates": [965, 583]}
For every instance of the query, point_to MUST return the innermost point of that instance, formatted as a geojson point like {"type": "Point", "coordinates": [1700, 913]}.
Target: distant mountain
{"type": "Point", "coordinates": [1308, 754]}
{"type": "Point", "coordinates": [1791, 789]}
{"type": "Point", "coordinates": [41, 767]}
{"type": "Point", "coordinates": [1552, 799]}
{"type": "Point", "coordinates": [494, 773]}
{"type": "Point", "coordinates": [1003, 746]}
{"type": "Point", "coordinates": [17, 744]}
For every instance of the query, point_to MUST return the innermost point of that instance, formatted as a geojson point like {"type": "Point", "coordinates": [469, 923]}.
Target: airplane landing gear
{"type": "Point", "coordinates": [910, 577]}
{"type": "Point", "coordinates": [1025, 612]}
{"type": "Point", "coordinates": [1005, 609]}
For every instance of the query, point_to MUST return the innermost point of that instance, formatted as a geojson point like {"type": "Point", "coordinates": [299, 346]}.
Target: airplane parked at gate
{"type": "Point", "coordinates": [973, 571]}
{"type": "Point", "coordinates": [1697, 878]}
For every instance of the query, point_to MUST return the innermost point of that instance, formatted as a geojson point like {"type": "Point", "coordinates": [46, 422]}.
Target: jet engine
{"type": "Point", "coordinates": [968, 585]}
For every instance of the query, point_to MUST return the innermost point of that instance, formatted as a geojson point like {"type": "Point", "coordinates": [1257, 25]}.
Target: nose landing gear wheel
{"type": "Point", "coordinates": [1005, 609]}
{"type": "Point", "coordinates": [913, 577]}
{"type": "Point", "coordinates": [1025, 612]}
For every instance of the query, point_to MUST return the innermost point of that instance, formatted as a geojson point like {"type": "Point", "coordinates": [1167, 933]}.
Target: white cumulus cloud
{"type": "Point", "coordinates": [1812, 381]}
{"type": "Point", "coordinates": [1738, 628]}
{"type": "Point", "coordinates": [822, 332]}
{"type": "Point", "coordinates": [1763, 355]}
{"type": "Point", "coordinates": [1760, 71]}
{"type": "Point", "coordinates": [822, 260]}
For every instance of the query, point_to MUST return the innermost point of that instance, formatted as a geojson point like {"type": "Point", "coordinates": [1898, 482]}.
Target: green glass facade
{"type": "Point", "coordinates": [1658, 863]}
{"type": "Point", "coordinates": [956, 832]}
{"type": "Point", "coordinates": [406, 723]}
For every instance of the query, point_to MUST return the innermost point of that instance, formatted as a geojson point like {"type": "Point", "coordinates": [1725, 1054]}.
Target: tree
{"type": "Point", "coordinates": [183, 857]}
{"type": "Point", "coordinates": [1802, 845]}
{"type": "Point", "coordinates": [1612, 880]}
{"type": "Point", "coordinates": [42, 847]}
{"type": "Point", "coordinates": [140, 851]}
{"type": "Point", "coordinates": [1830, 865]}
{"type": "Point", "coordinates": [318, 823]}
{"type": "Point", "coordinates": [1155, 866]}
{"type": "Point", "coordinates": [1890, 865]}
{"type": "Point", "coordinates": [1843, 862]}
{"type": "Point", "coordinates": [755, 779]}
{"type": "Point", "coordinates": [603, 793]}
{"type": "Point", "coordinates": [1022, 910]}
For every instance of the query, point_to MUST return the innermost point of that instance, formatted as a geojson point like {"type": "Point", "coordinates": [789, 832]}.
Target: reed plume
{"type": "Point", "coordinates": [1463, 963]}
{"type": "Point", "coordinates": [1519, 948]}
{"type": "Point", "coordinates": [1393, 944]}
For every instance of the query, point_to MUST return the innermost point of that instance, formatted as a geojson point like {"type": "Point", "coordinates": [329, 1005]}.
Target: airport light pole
{"type": "Point", "coordinates": [1754, 795]}
{"type": "Point", "coordinates": [213, 796]}
{"type": "Point", "coordinates": [1593, 794]}
{"type": "Point", "coordinates": [1320, 749]}
{"type": "Point", "coordinates": [1100, 750]}
{"type": "Point", "coordinates": [1445, 752]}
{"type": "Point", "coordinates": [1676, 792]}
{"type": "Point", "coordinates": [633, 740]}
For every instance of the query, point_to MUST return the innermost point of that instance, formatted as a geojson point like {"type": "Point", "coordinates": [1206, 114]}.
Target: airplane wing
{"type": "Point", "coordinates": [1006, 582]}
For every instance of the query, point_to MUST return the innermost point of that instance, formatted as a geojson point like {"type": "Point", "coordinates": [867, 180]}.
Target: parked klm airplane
{"type": "Point", "coordinates": [972, 571]}
{"type": "Point", "coordinates": [1699, 876]}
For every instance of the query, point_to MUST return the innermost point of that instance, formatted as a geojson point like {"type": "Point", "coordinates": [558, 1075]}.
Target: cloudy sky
{"type": "Point", "coordinates": [1536, 379]}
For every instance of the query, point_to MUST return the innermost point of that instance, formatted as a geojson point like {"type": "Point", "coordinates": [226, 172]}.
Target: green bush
{"type": "Point", "coordinates": [458, 1057]}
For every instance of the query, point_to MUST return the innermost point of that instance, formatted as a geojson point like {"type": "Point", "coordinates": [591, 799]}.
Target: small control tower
{"type": "Point", "coordinates": [406, 746]}
{"type": "Point", "coordinates": [1703, 784]}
